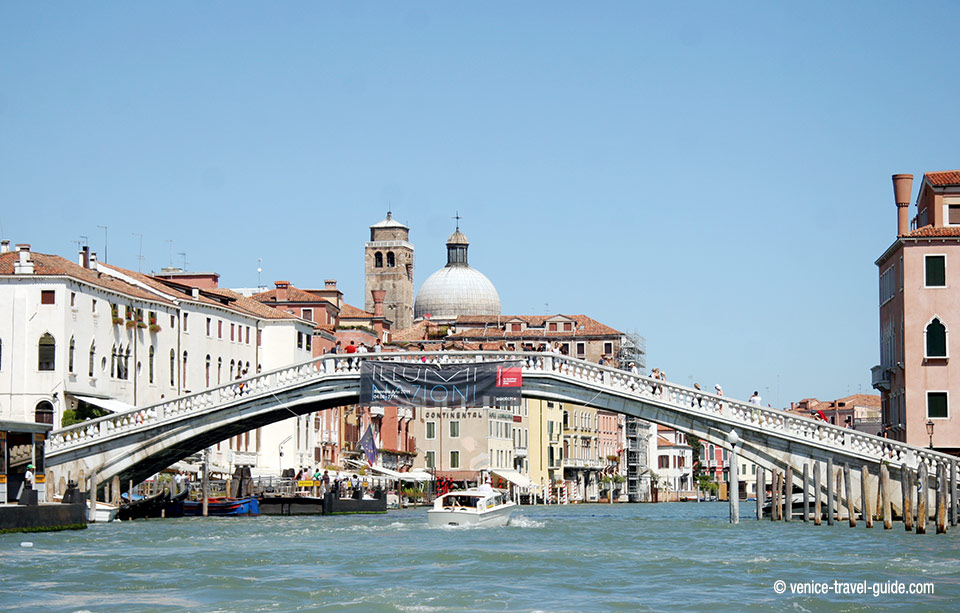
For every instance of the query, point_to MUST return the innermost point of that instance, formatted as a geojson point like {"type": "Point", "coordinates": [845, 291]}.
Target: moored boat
{"type": "Point", "coordinates": [142, 508]}
{"type": "Point", "coordinates": [483, 506]}
{"type": "Point", "coordinates": [222, 506]}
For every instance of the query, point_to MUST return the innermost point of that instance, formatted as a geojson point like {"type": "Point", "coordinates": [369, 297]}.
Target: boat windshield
{"type": "Point", "coordinates": [460, 502]}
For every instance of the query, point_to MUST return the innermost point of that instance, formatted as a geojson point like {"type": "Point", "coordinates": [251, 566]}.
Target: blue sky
{"type": "Point", "coordinates": [715, 176]}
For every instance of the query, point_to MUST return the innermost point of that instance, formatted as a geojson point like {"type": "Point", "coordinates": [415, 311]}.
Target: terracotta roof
{"type": "Point", "coordinates": [664, 428]}
{"type": "Point", "coordinates": [349, 311]}
{"type": "Point", "coordinates": [944, 178]}
{"type": "Point", "coordinates": [935, 231]}
{"type": "Point", "coordinates": [45, 264]}
{"type": "Point", "coordinates": [252, 306]}
{"type": "Point", "coordinates": [293, 295]}
{"type": "Point", "coordinates": [662, 442]}
{"type": "Point", "coordinates": [536, 326]}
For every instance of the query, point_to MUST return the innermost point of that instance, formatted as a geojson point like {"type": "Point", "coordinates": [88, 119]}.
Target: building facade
{"type": "Point", "coordinates": [388, 267]}
{"type": "Point", "coordinates": [919, 279]}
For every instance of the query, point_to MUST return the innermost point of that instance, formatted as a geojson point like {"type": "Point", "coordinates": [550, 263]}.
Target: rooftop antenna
{"type": "Point", "coordinates": [104, 228]}
{"type": "Point", "coordinates": [170, 240]}
{"type": "Point", "coordinates": [140, 254]}
{"type": "Point", "coordinates": [259, 270]}
{"type": "Point", "coordinates": [82, 243]}
{"type": "Point", "coordinates": [183, 254]}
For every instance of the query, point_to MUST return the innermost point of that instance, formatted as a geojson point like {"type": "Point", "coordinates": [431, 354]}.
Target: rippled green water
{"type": "Point", "coordinates": [573, 558]}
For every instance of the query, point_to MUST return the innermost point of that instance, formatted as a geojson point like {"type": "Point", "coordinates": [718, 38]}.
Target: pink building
{"type": "Point", "coordinates": [919, 302]}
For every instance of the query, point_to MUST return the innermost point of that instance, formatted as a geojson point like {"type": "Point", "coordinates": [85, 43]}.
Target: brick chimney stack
{"type": "Point", "coordinates": [281, 290]}
{"type": "Point", "coordinates": [5, 245]}
{"type": "Point", "coordinates": [330, 284]}
{"type": "Point", "coordinates": [902, 189]}
{"type": "Point", "coordinates": [378, 296]}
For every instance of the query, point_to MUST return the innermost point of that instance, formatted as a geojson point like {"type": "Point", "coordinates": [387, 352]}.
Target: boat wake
{"type": "Point", "coordinates": [519, 521]}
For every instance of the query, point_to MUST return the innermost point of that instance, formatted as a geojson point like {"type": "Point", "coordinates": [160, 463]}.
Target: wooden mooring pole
{"type": "Point", "coordinates": [942, 498]}
{"type": "Point", "coordinates": [806, 496]}
{"type": "Point", "coordinates": [885, 497]}
{"type": "Point", "coordinates": [733, 491]}
{"type": "Point", "coordinates": [817, 515]}
{"type": "Point", "coordinates": [92, 496]}
{"type": "Point", "coordinates": [953, 492]}
{"type": "Point", "coordinates": [906, 484]}
{"type": "Point", "coordinates": [922, 495]}
{"type": "Point", "coordinates": [865, 508]}
{"type": "Point", "coordinates": [788, 494]}
{"type": "Point", "coordinates": [761, 492]}
{"type": "Point", "coordinates": [830, 497]}
{"type": "Point", "coordinates": [848, 488]}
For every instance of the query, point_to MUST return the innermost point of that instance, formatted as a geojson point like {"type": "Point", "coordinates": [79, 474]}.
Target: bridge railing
{"type": "Point", "coordinates": [89, 431]}
{"type": "Point", "coordinates": [690, 400]}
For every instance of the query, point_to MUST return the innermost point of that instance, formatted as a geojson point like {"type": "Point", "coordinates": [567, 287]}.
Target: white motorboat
{"type": "Point", "coordinates": [483, 506]}
{"type": "Point", "coordinates": [105, 512]}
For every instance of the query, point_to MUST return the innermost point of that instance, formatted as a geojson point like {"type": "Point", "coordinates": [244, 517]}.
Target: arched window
{"type": "Point", "coordinates": [113, 361]}
{"type": "Point", "coordinates": [173, 367]}
{"type": "Point", "coordinates": [184, 370]}
{"type": "Point", "coordinates": [936, 339]}
{"type": "Point", "coordinates": [126, 363]}
{"type": "Point", "coordinates": [219, 369]}
{"type": "Point", "coordinates": [43, 413]}
{"type": "Point", "coordinates": [150, 363]}
{"type": "Point", "coordinates": [46, 353]}
{"type": "Point", "coordinates": [93, 358]}
{"type": "Point", "coordinates": [391, 260]}
{"type": "Point", "coordinates": [206, 371]}
{"type": "Point", "coordinates": [73, 347]}
{"type": "Point", "coordinates": [378, 260]}
{"type": "Point", "coordinates": [232, 362]}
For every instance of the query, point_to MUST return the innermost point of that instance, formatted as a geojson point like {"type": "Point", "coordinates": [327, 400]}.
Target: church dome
{"type": "Point", "coordinates": [456, 289]}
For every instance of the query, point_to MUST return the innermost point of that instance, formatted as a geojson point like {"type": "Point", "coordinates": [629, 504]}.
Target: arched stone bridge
{"type": "Point", "coordinates": [138, 443]}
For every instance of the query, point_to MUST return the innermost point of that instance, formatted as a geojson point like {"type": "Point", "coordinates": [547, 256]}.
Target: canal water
{"type": "Point", "coordinates": [682, 556]}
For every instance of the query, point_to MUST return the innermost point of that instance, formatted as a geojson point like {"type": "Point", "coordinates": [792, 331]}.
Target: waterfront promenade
{"type": "Point", "coordinates": [682, 556]}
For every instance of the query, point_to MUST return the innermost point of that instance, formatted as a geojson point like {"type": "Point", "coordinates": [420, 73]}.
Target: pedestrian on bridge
{"type": "Point", "coordinates": [755, 399]}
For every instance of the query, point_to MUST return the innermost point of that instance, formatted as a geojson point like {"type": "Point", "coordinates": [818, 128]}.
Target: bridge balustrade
{"type": "Point", "coordinates": [604, 379]}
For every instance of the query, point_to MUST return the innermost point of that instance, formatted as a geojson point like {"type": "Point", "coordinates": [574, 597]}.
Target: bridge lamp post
{"type": "Point", "coordinates": [930, 431]}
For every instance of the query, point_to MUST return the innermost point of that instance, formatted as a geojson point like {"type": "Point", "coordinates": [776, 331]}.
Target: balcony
{"type": "Point", "coordinates": [244, 458]}
{"type": "Point", "coordinates": [581, 463]}
{"type": "Point", "coordinates": [519, 452]}
{"type": "Point", "coordinates": [880, 378]}
{"type": "Point", "coordinates": [376, 411]}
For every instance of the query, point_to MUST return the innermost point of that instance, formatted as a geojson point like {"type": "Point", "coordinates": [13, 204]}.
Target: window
{"type": "Point", "coordinates": [307, 314]}
{"type": "Point", "coordinates": [93, 358]}
{"type": "Point", "coordinates": [454, 459]}
{"type": "Point", "coordinates": [219, 328]}
{"type": "Point", "coordinates": [391, 260]}
{"type": "Point", "coordinates": [454, 428]}
{"type": "Point", "coordinates": [206, 370]}
{"type": "Point", "coordinates": [248, 335]}
{"type": "Point", "coordinates": [73, 347]}
{"type": "Point", "coordinates": [299, 340]}
{"type": "Point", "coordinates": [184, 373]}
{"type": "Point", "coordinates": [935, 340]}
{"type": "Point", "coordinates": [151, 363]}
{"type": "Point", "coordinates": [935, 271]}
{"type": "Point", "coordinates": [173, 366]}
{"type": "Point", "coordinates": [43, 414]}
{"type": "Point", "coordinates": [231, 333]}
{"type": "Point", "coordinates": [46, 352]}
{"type": "Point", "coordinates": [173, 322]}
{"type": "Point", "coordinates": [953, 214]}
{"type": "Point", "coordinates": [567, 327]}
{"type": "Point", "coordinates": [581, 349]}
{"type": "Point", "coordinates": [378, 260]}
{"type": "Point", "coordinates": [219, 369]}
{"type": "Point", "coordinates": [431, 459]}
{"type": "Point", "coordinates": [431, 430]}
{"type": "Point", "coordinates": [209, 327]}
{"type": "Point", "coordinates": [663, 462]}
{"type": "Point", "coordinates": [186, 317]}
{"type": "Point", "coordinates": [937, 405]}
{"type": "Point", "coordinates": [309, 340]}
{"type": "Point", "coordinates": [608, 348]}
{"type": "Point", "coordinates": [93, 305]}
{"type": "Point", "coordinates": [553, 326]}
{"type": "Point", "coordinates": [48, 296]}
{"type": "Point", "coordinates": [73, 299]}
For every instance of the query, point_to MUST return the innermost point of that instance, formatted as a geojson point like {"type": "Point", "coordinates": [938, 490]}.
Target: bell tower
{"type": "Point", "coordinates": [388, 266]}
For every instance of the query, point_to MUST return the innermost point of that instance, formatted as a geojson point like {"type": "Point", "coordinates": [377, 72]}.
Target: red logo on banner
{"type": "Point", "coordinates": [509, 377]}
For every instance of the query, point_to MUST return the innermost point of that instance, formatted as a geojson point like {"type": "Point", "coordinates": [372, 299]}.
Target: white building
{"type": "Point", "coordinates": [674, 463]}
{"type": "Point", "coordinates": [87, 337]}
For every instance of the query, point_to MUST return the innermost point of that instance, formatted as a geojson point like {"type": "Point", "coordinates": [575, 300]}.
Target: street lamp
{"type": "Point", "coordinates": [930, 431]}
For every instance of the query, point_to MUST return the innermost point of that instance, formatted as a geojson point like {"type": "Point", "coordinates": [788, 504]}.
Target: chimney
{"type": "Point", "coordinates": [85, 256]}
{"type": "Point", "coordinates": [902, 188]}
{"type": "Point", "coordinates": [378, 296]}
{"type": "Point", "coordinates": [23, 266]}
{"type": "Point", "coordinates": [93, 260]}
{"type": "Point", "coordinates": [281, 290]}
{"type": "Point", "coordinates": [5, 246]}
{"type": "Point", "coordinates": [330, 284]}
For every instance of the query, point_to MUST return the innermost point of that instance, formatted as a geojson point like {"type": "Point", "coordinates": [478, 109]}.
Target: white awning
{"type": "Point", "coordinates": [514, 477]}
{"type": "Point", "coordinates": [114, 406]}
{"type": "Point", "coordinates": [410, 476]}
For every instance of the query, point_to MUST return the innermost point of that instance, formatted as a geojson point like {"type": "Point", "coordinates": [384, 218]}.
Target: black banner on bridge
{"type": "Point", "coordinates": [419, 384]}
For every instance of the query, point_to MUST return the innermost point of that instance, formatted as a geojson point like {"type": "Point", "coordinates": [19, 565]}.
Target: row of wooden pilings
{"type": "Point", "coordinates": [914, 487]}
